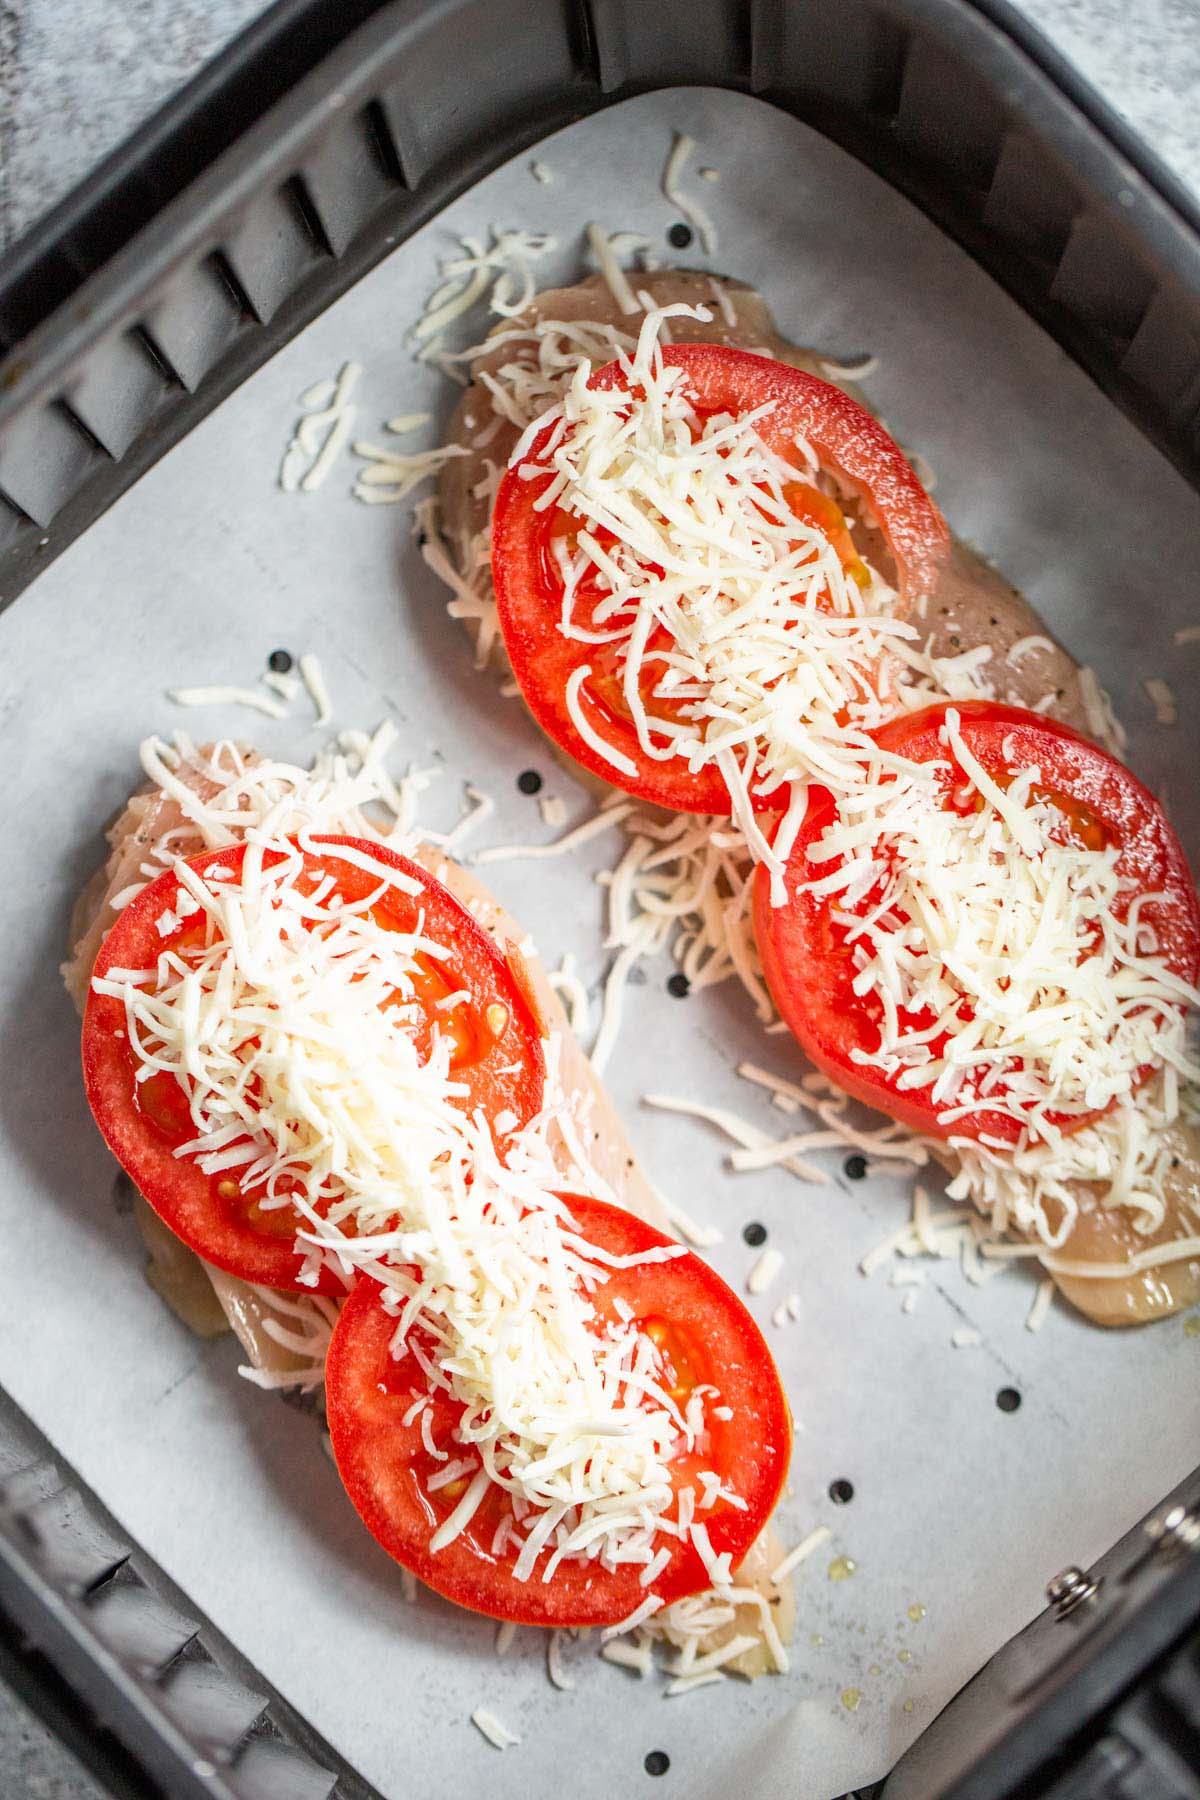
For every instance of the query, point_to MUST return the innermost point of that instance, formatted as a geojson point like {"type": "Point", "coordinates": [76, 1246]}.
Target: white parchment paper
{"type": "Point", "coordinates": [202, 570]}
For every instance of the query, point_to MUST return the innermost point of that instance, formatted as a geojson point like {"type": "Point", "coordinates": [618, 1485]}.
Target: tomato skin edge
{"type": "Point", "coordinates": [542, 659]}
{"type": "Point", "coordinates": [845, 436]}
{"type": "Point", "coordinates": [162, 1179]}
{"type": "Point", "coordinates": [669, 785]}
{"type": "Point", "coordinates": [474, 1580]}
{"type": "Point", "coordinates": [1122, 800]}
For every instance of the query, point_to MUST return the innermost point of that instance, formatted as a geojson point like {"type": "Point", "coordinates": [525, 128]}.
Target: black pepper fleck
{"type": "Point", "coordinates": [678, 986]}
{"type": "Point", "coordinates": [529, 781]}
{"type": "Point", "coordinates": [754, 1234]}
{"type": "Point", "coordinates": [280, 661]}
{"type": "Point", "coordinates": [679, 236]}
{"type": "Point", "coordinates": [854, 1167]}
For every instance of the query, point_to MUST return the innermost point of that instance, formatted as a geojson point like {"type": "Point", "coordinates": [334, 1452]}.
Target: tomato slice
{"type": "Point", "coordinates": [708, 1336]}
{"type": "Point", "coordinates": [495, 1051]}
{"type": "Point", "coordinates": [529, 585]}
{"type": "Point", "coordinates": [807, 961]}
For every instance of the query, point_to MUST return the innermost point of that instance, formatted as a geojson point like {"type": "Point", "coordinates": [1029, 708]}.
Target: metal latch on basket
{"type": "Point", "coordinates": [1070, 1589]}
{"type": "Point", "coordinates": [1175, 1531]}
{"type": "Point", "coordinates": [1172, 1533]}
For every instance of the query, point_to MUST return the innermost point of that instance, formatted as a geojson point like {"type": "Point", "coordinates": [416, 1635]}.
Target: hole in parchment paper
{"type": "Point", "coordinates": [529, 781]}
{"type": "Point", "coordinates": [678, 986]}
{"type": "Point", "coordinates": [854, 1167]}
{"type": "Point", "coordinates": [841, 1492]}
{"type": "Point", "coordinates": [1008, 1399]}
{"type": "Point", "coordinates": [280, 661]}
{"type": "Point", "coordinates": [297, 1398]}
{"type": "Point", "coordinates": [657, 1762]}
{"type": "Point", "coordinates": [754, 1234]}
{"type": "Point", "coordinates": [679, 236]}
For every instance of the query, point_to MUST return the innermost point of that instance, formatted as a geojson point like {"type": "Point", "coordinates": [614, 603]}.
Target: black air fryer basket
{"type": "Point", "coordinates": [322, 138]}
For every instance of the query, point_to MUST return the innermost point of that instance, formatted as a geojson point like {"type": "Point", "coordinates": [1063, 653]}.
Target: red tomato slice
{"type": "Point", "coordinates": [709, 1336]}
{"type": "Point", "coordinates": [804, 954]}
{"type": "Point", "coordinates": [496, 1053]}
{"type": "Point", "coordinates": [846, 439]}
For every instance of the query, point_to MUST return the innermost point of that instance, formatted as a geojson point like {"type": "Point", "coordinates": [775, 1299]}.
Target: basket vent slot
{"type": "Point", "coordinates": [267, 1768]}
{"type": "Point", "coordinates": [1102, 283]}
{"type": "Point", "coordinates": [195, 318]}
{"type": "Point", "coordinates": [346, 181]}
{"type": "Point", "coordinates": [118, 389]}
{"type": "Point", "coordinates": [272, 247]}
{"type": "Point", "coordinates": [1031, 203]}
{"type": "Point", "coordinates": [830, 56]}
{"type": "Point", "coordinates": [45, 456]}
{"type": "Point", "coordinates": [950, 120]}
{"type": "Point", "coordinates": [210, 1707]}
{"type": "Point", "coordinates": [1163, 358]}
{"type": "Point", "coordinates": [71, 1546]}
{"type": "Point", "coordinates": [672, 42]}
{"type": "Point", "coordinates": [532, 56]}
{"type": "Point", "coordinates": [138, 1626]}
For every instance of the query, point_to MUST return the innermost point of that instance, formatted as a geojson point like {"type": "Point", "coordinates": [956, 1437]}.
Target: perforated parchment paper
{"type": "Point", "coordinates": [960, 1511]}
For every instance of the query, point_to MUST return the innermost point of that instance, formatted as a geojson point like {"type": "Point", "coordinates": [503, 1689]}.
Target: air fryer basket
{"type": "Point", "coordinates": [320, 140]}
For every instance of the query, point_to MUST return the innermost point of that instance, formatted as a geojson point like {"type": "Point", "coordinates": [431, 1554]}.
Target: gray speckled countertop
{"type": "Point", "coordinates": [76, 76]}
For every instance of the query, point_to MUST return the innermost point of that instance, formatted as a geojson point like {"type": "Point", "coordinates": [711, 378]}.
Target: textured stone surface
{"type": "Point", "coordinates": [1143, 56]}
{"type": "Point", "coordinates": [77, 76]}
{"type": "Point", "coordinates": [34, 1765]}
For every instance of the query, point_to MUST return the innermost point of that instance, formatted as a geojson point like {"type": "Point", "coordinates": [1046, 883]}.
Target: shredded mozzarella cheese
{"type": "Point", "coordinates": [493, 1729]}
{"type": "Point", "coordinates": [1162, 698]}
{"type": "Point", "coordinates": [1042, 1300]}
{"type": "Point", "coordinates": [693, 875]}
{"type": "Point", "coordinates": [765, 1271]}
{"type": "Point", "coordinates": [1007, 975]}
{"type": "Point", "coordinates": [313, 677]}
{"type": "Point", "coordinates": [820, 1534]}
{"type": "Point", "coordinates": [290, 1033]}
{"type": "Point", "coordinates": [321, 431]}
{"type": "Point", "coordinates": [229, 696]}
{"type": "Point", "coordinates": [773, 660]}
{"type": "Point", "coordinates": [690, 208]}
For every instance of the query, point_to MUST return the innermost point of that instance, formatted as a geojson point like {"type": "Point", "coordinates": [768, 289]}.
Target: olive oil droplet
{"type": "Point", "coordinates": [851, 1699]}
{"type": "Point", "coordinates": [916, 1612]}
{"type": "Point", "coordinates": [841, 1568]}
